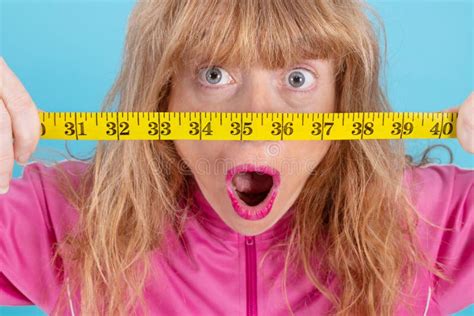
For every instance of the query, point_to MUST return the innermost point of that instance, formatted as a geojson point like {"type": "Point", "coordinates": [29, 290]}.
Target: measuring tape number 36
{"type": "Point", "coordinates": [246, 125]}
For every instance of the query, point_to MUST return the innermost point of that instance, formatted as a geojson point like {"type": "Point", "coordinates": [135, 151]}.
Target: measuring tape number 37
{"type": "Point", "coordinates": [246, 125]}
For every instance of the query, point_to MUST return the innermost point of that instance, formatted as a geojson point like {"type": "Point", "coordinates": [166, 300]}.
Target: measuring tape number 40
{"type": "Point", "coordinates": [246, 125]}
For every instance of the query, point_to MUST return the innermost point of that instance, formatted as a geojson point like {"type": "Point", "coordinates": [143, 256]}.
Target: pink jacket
{"type": "Point", "coordinates": [223, 278]}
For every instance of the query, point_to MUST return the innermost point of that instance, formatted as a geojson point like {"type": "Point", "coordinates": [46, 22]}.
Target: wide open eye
{"type": "Point", "coordinates": [300, 78]}
{"type": "Point", "coordinates": [212, 76]}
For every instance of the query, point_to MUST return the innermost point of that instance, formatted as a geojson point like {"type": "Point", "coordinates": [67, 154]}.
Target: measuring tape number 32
{"type": "Point", "coordinates": [246, 125]}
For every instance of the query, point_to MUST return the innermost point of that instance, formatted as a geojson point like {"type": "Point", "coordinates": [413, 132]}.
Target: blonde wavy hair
{"type": "Point", "coordinates": [354, 202]}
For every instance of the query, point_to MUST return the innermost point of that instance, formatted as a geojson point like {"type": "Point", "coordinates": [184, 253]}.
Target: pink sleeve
{"type": "Point", "coordinates": [446, 198]}
{"type": "Point", "coordinates": [32, 219]}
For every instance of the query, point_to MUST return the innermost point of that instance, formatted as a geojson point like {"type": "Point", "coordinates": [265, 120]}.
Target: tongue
{"type": "Point", "coordinates": [252, 182]}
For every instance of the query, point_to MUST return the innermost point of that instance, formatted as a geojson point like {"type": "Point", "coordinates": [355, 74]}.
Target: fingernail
{"type": "Point", "coordinates": [4, 190]}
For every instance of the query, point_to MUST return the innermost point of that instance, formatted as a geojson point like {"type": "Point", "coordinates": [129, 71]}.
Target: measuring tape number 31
{"type": "Point", "coordinates": [246, 125]}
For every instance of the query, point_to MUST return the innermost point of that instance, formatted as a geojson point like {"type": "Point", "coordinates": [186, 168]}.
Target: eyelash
{"type": "Point", "coordinates": [196, 75]}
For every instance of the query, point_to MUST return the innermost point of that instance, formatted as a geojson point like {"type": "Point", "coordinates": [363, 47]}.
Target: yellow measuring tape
{"type": "Point", "coordinates": [246, 125]}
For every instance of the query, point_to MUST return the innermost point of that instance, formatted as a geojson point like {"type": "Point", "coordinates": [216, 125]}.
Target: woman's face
{"type": "Point", "coordinates": [251, 202]}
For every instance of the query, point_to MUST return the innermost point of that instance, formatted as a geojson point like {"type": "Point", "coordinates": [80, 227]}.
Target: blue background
{"type": "Point", "coordinates": [67, 54]}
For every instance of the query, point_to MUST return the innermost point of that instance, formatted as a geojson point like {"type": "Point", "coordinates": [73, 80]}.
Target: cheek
{"type": "Point", "coordinates": [189, 152]}
{"type": "Point", "coordinates": [182, 97]}
{"type": "Point", "coordinates": [308, 154]}
{"type": "Point", "coordinates": [200, 155]}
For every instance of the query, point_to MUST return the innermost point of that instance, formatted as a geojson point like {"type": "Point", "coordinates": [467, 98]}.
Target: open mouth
{"type": "Point", "coordinates": [252, 189]}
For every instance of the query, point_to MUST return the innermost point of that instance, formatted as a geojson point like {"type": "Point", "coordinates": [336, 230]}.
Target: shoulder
{"type": "Point", "coordinates": [438, 174]}
{"type": "Point", "coordinates": [44, 177]}
{"type": "Point", "coordinates": [443, 196]}
{"type": "Point", "coordinates": [436, 188]}
{"type": "Point", "coordinates": [41, 169]}
{"type": "Point", "coordinates": [44, 184]}
{"type": "Point", "coordinates": [34, 217]}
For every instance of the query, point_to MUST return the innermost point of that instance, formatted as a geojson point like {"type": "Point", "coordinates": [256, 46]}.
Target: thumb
{"type": "Point", "coordinates": [453, 109]}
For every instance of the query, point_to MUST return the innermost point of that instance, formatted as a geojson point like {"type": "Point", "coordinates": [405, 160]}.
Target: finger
{"type": "Point", "coordinates": [23, 114]}
{"type": "Point", "coordinates": [6, 148]}
{"type": "Point", "coordinates": [465, 124]}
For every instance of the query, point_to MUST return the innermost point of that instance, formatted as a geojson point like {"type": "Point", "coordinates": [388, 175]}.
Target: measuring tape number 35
{"type": "Point", "coordinates": [246, 125]}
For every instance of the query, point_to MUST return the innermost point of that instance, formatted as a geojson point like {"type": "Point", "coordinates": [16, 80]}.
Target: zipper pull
{"type": "Point", "coordinates": [249, 240]}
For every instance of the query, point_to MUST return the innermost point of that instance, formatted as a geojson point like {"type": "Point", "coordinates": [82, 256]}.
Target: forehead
{"type": "Point", "coordinates": [269, 34]}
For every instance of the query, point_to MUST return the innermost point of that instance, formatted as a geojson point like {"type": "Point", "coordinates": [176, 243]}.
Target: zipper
{"type": "Point", "coordinates": [251, 275]}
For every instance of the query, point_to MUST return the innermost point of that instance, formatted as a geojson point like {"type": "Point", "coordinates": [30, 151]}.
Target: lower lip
{"type": "Point", "coordinates": [262, 209]}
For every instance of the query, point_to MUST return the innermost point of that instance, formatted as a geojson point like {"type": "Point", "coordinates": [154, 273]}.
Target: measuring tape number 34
{"type": "Point", "coordinates": [246, 125]}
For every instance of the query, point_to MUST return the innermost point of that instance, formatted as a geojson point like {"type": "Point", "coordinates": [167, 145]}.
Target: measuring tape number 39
{"type": "Point", "coordinates": [246, 125]}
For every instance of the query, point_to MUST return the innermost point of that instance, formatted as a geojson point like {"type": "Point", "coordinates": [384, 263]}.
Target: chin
{"type": "Point", "coordinates": [251, 228]}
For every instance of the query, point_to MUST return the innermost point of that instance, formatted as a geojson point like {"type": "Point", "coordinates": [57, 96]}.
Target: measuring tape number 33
{"type": "Point", "coordinates": [246, 125]}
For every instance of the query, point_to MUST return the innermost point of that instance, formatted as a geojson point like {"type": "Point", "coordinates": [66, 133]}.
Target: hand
{"type": "Point", "coordinates": [20, 127]}
{"type": "Point", "coordinates": [465, 123]}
